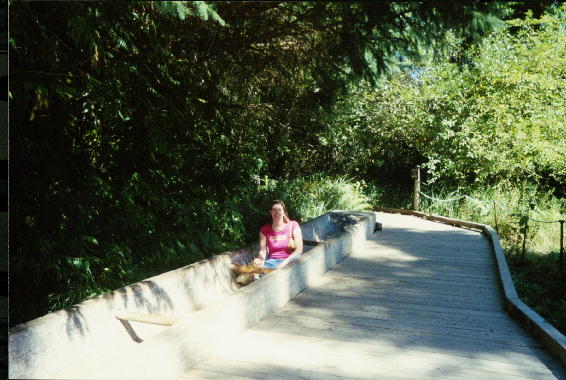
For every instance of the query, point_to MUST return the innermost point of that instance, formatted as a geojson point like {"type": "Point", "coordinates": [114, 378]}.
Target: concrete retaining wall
{"type": "Point", "coordinates": [87, 341]}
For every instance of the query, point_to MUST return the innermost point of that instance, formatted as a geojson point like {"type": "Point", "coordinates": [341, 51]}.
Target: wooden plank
{"type": "Point", "coordinates": [389, 304]}
{"type": "Point", "coordinates": [467, 242]}
{"type": "Point", "coordinates": [376, 328]}
{"type": "Point", "coordinates": [310, 356]}
{"type": "Point", "coordinates": [552, 338]}
{"type": "Point", "coordinates": [414, 281]}
{"type": "Point", "coordinates": [400, 310]}
{"type": "Point", "coordinates": [331, 281]}
{"type": "Point", "coordinates": [344, 323]}
{"type": "Point", "coordinates": [458, 296]}
{"type": "Point", "coordinates": [449, 221]}
{"type": "Point", "coordinates": [408, 279]}
{"type": "Point", "coordinates": [475, 257]}
{"type": "Point", "coordinates": [270, 368]}
{"type": "Point", "coordinates": [339, 367]}
{"type": "Point", "coordinates": [410, 317]}
{"type": "Point", "coordinates": [424, 248]}
{"type": "Point", "coordinates": [422, 266]}
{"type": "Point", "coordinates": [498, 350]}
{"type": "Point", "coordinates": [410, 296]}
{"type": "Point", "coordinates": [399, 272]}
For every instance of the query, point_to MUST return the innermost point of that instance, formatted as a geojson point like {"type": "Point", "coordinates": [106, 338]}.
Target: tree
{"type": "Point", "coordinates": [487, 113]}
{"type": "Point", "coordinates": [136, 128]}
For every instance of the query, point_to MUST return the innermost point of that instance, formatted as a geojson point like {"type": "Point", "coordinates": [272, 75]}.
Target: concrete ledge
{"type": "Point", "coordinates": [547, 334]}
{"type": "Point", "coordinates": [177, 349]}
{"type": "Point", "coordinates": [44, 346]}
{"type": "Point", "coordinates": [88, 341]}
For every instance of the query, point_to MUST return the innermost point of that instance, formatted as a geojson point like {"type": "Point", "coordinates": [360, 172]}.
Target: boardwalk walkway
{"type": "Point", "coordinates": [420, 301]}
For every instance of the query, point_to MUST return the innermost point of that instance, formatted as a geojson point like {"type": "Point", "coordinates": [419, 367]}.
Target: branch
{"type": "Point", "coordinates": [44, 73]}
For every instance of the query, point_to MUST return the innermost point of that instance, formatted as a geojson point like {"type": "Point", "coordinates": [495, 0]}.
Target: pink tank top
{"type": "Point", "coordinates": [277, 241]}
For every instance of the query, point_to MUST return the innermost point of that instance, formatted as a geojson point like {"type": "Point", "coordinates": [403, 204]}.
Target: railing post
{"type": "Point", "coordinates": [561, 245]}
{"type": "Point", "coordinates": [416, 174]}
{"type": "Point", "coordinates": [495, 217]}
{"type": "Point", "coordinates": [524, 242]}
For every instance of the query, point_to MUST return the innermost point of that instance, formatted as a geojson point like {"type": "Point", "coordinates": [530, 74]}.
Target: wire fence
{"type": "Point", "coordinates": [523, 221]}
{"type": "Point", "coordinates": [465, 196]}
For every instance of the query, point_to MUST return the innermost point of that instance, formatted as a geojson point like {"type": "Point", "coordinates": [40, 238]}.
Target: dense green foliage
{"type": "Point", "coordinates": [482, 115]}
{"type": "Point", "coordinates": [149, 135]}
{"type": "Point", "coordinates": [140, 130]}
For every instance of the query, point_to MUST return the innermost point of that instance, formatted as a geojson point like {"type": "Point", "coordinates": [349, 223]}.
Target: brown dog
{"type": "Point", "coordinates": [247, 273]}
{"type": "Point", "coordinates": [251, 269]}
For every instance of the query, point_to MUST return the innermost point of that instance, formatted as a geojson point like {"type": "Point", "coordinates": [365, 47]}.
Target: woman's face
{"type": "Point", "coordinates": [277, 211]}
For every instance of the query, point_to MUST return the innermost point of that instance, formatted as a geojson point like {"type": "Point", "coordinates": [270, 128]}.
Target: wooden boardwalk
{"type": "Point", "coordinates": [420, 301]}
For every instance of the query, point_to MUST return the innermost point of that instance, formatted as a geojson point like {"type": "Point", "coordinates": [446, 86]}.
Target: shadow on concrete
{"type": "Point", "coordinates": [146, 295]}
{"type": "Point", "coordinates": [131, 332]}
{"type": "Point", "coordinates": [76, 321]}
{"type": "Point", "coordinates": [161, 300]}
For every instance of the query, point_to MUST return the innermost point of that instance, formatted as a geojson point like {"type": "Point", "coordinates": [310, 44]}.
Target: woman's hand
{"type": "Point", "coordinates": [258, 262]}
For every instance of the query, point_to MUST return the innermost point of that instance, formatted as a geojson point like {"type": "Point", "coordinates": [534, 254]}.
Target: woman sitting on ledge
{"type": "Point", "coordinates": [282, 237]}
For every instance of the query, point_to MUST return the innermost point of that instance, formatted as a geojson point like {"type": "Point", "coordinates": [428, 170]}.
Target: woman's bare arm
{"type": "Point", "coordinates": [298, 238]}
{"type": "Point", "coordinates": [262, 250]}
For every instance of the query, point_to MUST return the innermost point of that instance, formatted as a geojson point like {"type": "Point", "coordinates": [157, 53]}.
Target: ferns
{"type": "Point", "coordinates": [182, 9]}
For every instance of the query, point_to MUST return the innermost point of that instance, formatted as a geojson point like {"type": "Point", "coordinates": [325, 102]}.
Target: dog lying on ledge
{"type": "Point", "coordinates": [247, 273]}
{"type": "Point", "coordinates": [251, 269]}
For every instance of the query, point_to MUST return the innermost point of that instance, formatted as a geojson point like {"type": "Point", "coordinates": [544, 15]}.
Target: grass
{"type": "Point", "coordinates": [308, 197]}
{"type": "Point", "coordinates": [540, 284]}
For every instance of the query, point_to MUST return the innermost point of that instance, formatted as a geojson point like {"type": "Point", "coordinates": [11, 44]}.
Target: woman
{"type": "Point", "coordinates": [275, 237]}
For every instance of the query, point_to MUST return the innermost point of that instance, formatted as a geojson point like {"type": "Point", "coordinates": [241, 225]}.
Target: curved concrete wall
{"type": "Point", "coordinates": [87, 341]}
